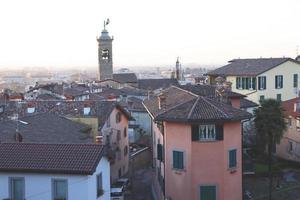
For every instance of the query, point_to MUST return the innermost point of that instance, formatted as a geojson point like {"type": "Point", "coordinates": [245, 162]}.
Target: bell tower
{"type": "Point", "coordinates": [105, 54]}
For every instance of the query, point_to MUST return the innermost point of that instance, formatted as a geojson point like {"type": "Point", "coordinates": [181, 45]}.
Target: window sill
{"type": "Point", "coordinates": [232, 170]}
{"type": "Point", "coordinates": [206, 141]}
{"type": "Point", "coordinates": [178, 171]}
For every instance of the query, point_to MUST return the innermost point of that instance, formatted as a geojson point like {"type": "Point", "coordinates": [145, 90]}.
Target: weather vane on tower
{"type": "Point", "coordinates": [106, 22]}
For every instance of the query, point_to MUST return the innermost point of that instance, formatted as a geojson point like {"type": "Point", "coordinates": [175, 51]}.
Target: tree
{"type": "Point", "coordinates": [270, 125]}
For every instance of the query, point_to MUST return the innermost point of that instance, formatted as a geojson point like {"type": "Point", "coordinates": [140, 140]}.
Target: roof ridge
{"type": "Point", "coordinates": [213, 105]}
{"type": "Point", "coordinates": [191, 111]}
{"type": "Point", "coordinates": [186, 91]}
{"type": "Point", "coordinates": [171, 108]}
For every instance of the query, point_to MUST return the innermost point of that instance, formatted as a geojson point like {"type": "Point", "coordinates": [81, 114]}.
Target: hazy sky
{"type": "Point", "coordinates": [152, 32]}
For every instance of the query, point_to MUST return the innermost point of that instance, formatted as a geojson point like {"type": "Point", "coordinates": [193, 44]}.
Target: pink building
{"type": "Point", "coordinates": [196, 146]}
{"type": "Point", "coordinates": [289, 147]}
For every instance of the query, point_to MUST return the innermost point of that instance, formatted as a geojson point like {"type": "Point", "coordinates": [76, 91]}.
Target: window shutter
{"type": "Point", "coordinates": [195, 132]}
{"type": "Point", "coordinates": [259, 82]}
{"type": "Point", "coordinates": [276, 81]}
{"type": "Point", "coordinates": [237, 82]}
{"type": "Point", "coordinates": [232, 158]}
{"type": "Point", "coordinates": [175, 160]}
{"type": "Point", "coordinates": [265, 82]}
{"type": "Point", "coordinates": [219, 132]}
{"type": "Point", "coordinates": [159, 152]}
{"type": "Point", "coordinates": [253, 83]}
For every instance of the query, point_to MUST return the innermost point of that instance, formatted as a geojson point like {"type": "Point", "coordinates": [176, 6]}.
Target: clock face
{"type": "Point", "coordinates": [105, 54]}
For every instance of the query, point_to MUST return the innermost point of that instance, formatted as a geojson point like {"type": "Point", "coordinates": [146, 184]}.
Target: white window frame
{"type": "Point", "coordinates": [207, 135]}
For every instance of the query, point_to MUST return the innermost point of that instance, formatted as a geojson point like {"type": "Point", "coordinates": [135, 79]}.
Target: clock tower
{"type": "Point", "coordinates": [105, 54]}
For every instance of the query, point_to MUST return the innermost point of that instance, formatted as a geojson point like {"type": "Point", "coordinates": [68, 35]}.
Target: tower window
{"type": "Point", "coordinates": [105, 54]}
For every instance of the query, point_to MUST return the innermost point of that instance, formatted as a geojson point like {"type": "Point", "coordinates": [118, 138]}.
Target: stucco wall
{"type": "Point", "coordinates": [291, 135]}
{"type": "Point", "coordinates": [123, 163]}
{"type": "Point", "coordinates": [206, 163]}
{"type": "Point", "coordinates": [39, 186]}
{"type": "Point", "coordinates": [287, 69]}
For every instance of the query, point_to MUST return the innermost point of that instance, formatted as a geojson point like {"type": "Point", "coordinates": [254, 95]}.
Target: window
{"type": "Point", "coordinates": [177, 160]}
{"type": "Point", "coordinates": [290, 146]}
{"type": "Point", "coordinates": [295, 80]}
{"type": "Point", "coordinates": [261, 98]}
{"type": "Point", "coordinates": [278, 81]}
{"type": "Point", "coordinates": [209, 132]}
{"type": "Point", "coordinates": [125, 150]}
{"type": "Point", "coordinates": [248, 83]}
{"type": "Point", "coordinates": [125, 132]}
{"type": "Point", "coordinates": [118, 117]}
{"type": "Point", "coordinates": [262, 84]}
{"type": "Point", "coordinates": [17, 188]}
{"type": "Point", "coordinates": [159, 152]}
{"type": "Point", "coordinates": [208, 192]}
{"type": "Point", "coordinates": [232, 158]}
{"type": "Point", "coordinates": [118, 135]}
{"type": "Point", "coordinates": [298, 124]}
{"type": "Point", "coordinates": [290, 122]}
{"type": "Point", "coordinates": [99, 185]}
{"type": "Point", "coordinates": [60, 189]}
{"type": "Point", "coordinates": [278, 97]}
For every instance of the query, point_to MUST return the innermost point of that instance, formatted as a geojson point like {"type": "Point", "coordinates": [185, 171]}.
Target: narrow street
{"type": "Point", "coordinates": [141, 185]}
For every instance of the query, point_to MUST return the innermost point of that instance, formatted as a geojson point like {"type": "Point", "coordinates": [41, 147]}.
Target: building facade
{"type": "Point", "coordinates": [262, 78]}
{"type": "Point", "coordinates": [22, 176]}
{"type": "Point", "coordinates": [196, 146]}
{"type": "Point", "coordinates": [289, 147]}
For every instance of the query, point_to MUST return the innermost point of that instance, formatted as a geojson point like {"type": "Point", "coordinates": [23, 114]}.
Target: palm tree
{"type": "Point", "coordinates": [270, 126]}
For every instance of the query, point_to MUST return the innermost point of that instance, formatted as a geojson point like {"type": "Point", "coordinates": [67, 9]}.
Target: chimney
{"type": "Point", "coordinates": [18, 137]}
{"type": "Point", "coordinates": [161, 101]}
{"type": "Point", "coordinates": [99, 139]}
{"type": "Point", "coordinates": [30, 108]}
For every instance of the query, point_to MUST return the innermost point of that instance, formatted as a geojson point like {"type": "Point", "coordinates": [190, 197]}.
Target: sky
{"type": "Point", "coordinates": [62, 33]}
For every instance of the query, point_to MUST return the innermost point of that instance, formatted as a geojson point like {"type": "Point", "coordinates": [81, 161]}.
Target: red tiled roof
{"type": "Point", "coordinates": [50, 158]}
{"type": "Point", "coordinates": [288, 107]}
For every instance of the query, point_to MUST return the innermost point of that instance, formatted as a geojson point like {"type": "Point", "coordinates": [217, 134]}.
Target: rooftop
{"type": "Point", "coordinates": [183, 106]}
{"type": "Point", "coordinates": [45, 128]}
{"type": "Point", "coordinates": [249, 67]}
{"type": "Point", "coordinates": [154, 84]}
{"type": "Point", "coordinates": [50, 158]}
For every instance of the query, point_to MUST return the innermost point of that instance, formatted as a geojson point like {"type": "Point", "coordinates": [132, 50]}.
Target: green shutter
{"type": "Point", "coordinates": [178, 160]}
{"type": "Point", "coordinates": [219, 132]}
{"type": "Point", "coordinates": [159, 152]}
{"type": "Point", "coordinates": [195, 132]}
{"type": "Point", "coordinates": [232, 158]}
{"type": "Point", "coordinates": [254, 83]}
{"type": "Point", "coordinates": [208, 192]}
{"type": "Point", "coordinates": [295, 81]}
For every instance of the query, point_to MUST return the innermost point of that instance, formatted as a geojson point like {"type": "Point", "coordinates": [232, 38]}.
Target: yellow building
{"type": "Point", "coordinates": [262, 78]}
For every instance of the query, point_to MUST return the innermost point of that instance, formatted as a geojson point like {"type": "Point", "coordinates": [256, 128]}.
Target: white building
{"type": "Point", "coordinates": [53, 171]}
{"type": "Point", "coordinates": [261, 78]}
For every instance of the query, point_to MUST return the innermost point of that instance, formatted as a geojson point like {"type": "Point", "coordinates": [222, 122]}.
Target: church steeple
{"type": "Point", "coordinates": [177, 69]}
{"type": "Point", "coordinates": [105, 54]}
